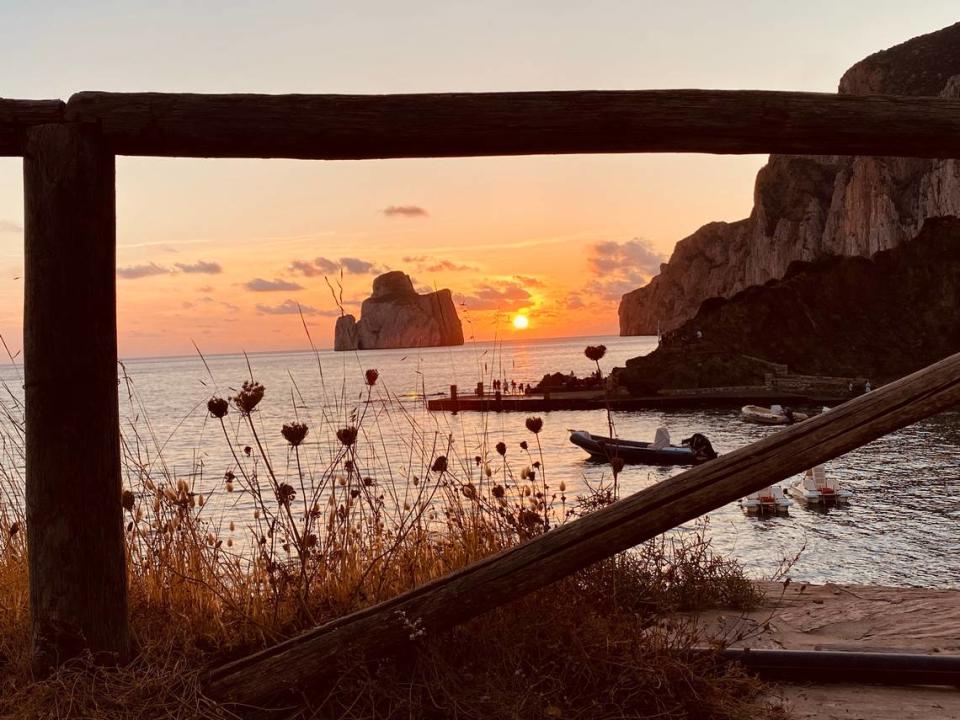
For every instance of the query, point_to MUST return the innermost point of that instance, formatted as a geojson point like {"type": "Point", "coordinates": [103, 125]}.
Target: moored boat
{"type": "Point", "coordinates": [693, 451]}
{"type": "Point", "coordinates": [818, 489]}
{"type": "Point", "coordinates": [768, 501]}
{"type": "Point", "coordinates": [773, 415]}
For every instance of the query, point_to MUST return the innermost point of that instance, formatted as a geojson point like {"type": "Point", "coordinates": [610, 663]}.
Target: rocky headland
{"type": "Point", "coordinates": [879, 318]}
{"type": "Point", "coordinates": [810, 207]}
{"type": "Point", "coordinates": [397, 316]}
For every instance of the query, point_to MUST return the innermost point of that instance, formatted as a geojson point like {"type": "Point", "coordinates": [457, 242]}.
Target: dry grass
{"type": "Point", "coordinates": [343, 516]}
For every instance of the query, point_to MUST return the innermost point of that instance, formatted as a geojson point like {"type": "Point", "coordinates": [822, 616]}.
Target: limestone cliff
{"type": "Point", "coordinates": [879, 318]}
{"type": "Point", "coordinates": [396, 316]}
{"type": "Point", "coordinates": [807, 207]}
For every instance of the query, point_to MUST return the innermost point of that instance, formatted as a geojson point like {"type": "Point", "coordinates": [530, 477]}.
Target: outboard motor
{"type": "Point", "coordinates": [701, 447]}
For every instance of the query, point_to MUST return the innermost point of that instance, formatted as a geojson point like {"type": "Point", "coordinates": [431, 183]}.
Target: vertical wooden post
{"type": "Point", "coordinates": [78, 591]}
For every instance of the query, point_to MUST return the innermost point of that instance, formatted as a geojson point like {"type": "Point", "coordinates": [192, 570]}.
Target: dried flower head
{"type": "Point", "coordinates": [285, 493]}
{"type": "Point", "coordinates": [217, 407]}
{"type": "Point", "coordinates": [498, 491]}
{"type": "Point", "coordinates": [534, 424]}
{"type": "Point", "coordinates": [595, 352]}
{"type": "Point", "coordinates": [126, 499]}
{"type": "Point", "coordinates": [617, 464]}
{"type": "Point", "coordinates": [294, 433]}
{"type": "Point", "coordinates": [347, 435]}
{"type": "Point", "coordinates": [371, 376]}
{"type": "Point", "coordinates": [502, 448]}
{"type": "Point", "coordinates": [440, 464]}
{"type": "Point", "coordinates": [250, 395]}
{"type": "Point", "coordinates": [523, 445]}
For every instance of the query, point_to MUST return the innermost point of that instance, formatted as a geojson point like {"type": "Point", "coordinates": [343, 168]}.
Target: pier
{"type": "Point", "coordinates": [591, 400]}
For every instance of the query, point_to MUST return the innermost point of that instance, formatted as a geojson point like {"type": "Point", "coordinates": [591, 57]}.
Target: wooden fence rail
{"type": "Point", "coordinates": [16, 116]}
{"type": "Point", "coordinates": [501, 578]}
{"type": "Point", "coordinates": [354, 127]}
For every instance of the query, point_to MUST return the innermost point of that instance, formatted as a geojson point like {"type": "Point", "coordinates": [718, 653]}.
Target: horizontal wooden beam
{"type": "Point", "coordinates": [510, 574]}
{"type": "Point", "coordinates": [18, 115]}
{"type": "Point", "coordinates": [355, 127]}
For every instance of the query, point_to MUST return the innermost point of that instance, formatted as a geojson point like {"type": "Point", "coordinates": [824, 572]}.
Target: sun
{"type": "Point", "coordinates": [521, 322]}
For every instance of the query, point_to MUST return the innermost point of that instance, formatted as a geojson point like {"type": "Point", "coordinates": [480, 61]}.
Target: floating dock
{"type": "Point", "coordinates": [673, 399]}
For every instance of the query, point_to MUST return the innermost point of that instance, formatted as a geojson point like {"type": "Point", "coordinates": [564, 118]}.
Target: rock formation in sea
{"type": "Point", "coordinates": [877, 318]}
{"type": "Point", "coordinates": [807, 207]}
{"type": "Point", "coordinates": [396, 316]}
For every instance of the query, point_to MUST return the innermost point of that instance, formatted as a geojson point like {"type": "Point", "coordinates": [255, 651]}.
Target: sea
{"type": "Point", "coordinates": [901, 528]}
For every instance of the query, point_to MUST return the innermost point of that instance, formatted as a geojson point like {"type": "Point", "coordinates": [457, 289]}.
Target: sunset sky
{"type": "Point", "coordinates": [221, 252]}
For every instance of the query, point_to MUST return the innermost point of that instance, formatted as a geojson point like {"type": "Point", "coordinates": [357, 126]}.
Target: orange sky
{"type": "Point", "coordinates": [220, 251]}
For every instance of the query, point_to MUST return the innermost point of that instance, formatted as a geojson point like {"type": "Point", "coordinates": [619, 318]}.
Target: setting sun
{"type": "Point", "coordinates": [521, 322]}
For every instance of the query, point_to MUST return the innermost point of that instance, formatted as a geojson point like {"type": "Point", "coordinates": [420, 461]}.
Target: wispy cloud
{"type": "Point", "coordinates": [261, 285]}
{"type": "Point", "coordinates": [529, 281]}
{"type": "Point", "coordinates": [425, 263]}
{"type": "Point", "coordinates": [356, 266]}
{"type": "Point", "coordinates": [409, 211]}
{"type": "Point", "coordinates": [135, 272]}
{"type": "Point", "coordinates": [621, 267]}
{"type": "Point", "coordinates": [292, 307]}
{"type": "Point", "coordinates": [202, 267]}
{"type": "Point", "coordinates": [503, 295]}
{"type": "Point", "coordinates": [8, 226]}
{"type": "Point", "coordinates": [326, 266]}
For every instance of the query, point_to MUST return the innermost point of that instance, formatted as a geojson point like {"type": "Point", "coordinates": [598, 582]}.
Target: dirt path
{"type": "Point", "coordinates": [853, 617]}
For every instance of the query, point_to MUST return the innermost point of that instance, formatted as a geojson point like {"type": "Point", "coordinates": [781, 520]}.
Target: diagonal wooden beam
{"type": "Point", "coordinates": [354, 127]}
{"type": "Point", "coordinates": [510, 574]}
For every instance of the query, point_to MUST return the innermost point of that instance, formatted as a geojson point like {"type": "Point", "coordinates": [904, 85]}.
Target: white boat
{"type": "Point", "coordinates": [768, 501]}
{"type": "Point", "coordinates": [773, 415]}
{"type": "Point", "coordinates": [816, 488]}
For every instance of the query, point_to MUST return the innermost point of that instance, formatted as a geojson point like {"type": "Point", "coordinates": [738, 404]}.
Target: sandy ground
{"type": "Point", "coordinates": [852, 617]}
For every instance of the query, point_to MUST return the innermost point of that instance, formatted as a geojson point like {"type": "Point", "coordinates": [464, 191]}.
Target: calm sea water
{"type": "Point", "coordinates": [900, 529]}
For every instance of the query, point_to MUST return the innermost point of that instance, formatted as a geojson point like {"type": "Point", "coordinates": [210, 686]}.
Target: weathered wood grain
{"type": "Point", "coordinates": [74, 517]}
{"type": "Point", "coordinates": [516, 571]}
{"type": "Point", "coordinates": [18, 115]}
{"type": "Point", "coordinates": [353, 127]}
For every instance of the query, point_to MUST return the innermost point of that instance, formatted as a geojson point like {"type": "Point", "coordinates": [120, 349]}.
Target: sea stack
{"type": "Point", "coordinates": [397, 316]}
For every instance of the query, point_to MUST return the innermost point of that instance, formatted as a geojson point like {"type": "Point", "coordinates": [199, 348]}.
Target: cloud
{"type": "Point", "coordinates": [261, 285]}
{"type": "Point", "coordinates": [292, 307]}
{"type": "Point", "coordinates": [425, 263]}
{"type": "Point", "coordinates": [448, 266]}
{"type": "Point", "coordinates": [325, 266]}
{"type": "Point", "coordinates": [202, 267]}
{"type": "Point", "coordinates": [356, 266]}
{"type": "Point", "coordinates": [307, 269]}
{"type": "Point", "coordinates": [573, 302]}
{"type": "Point", "coordinates": [134, 272]}
{"type": "Point", "coordinates": [635, 255]}
{"type": "Point", "coordinates": [621, 267]}
{"type": "Point", "coordinates": [504, 295]}
{"type": "Point", "coordinates": [529, 281]}
{"type": "Point", "coordinates": [8, 226]}
{"type": "Point", "coordinates": [287, 307]}
{"type": "Point", "coordinates": [410, 211]}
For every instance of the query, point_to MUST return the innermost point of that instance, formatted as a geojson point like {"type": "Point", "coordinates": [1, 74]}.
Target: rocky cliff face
{"type": "Point", "coordinates": [396, 316]}
{"type": "Point", "coordinates": [807, 207]}
{"type": "Point", "coordinates": [880, 318]}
